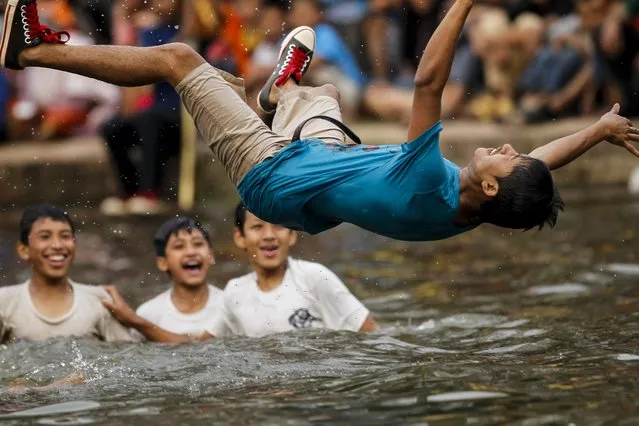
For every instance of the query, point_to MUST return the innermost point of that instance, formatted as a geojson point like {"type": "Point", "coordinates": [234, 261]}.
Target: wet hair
{"type": "Point", "coordinates": [526, 198]}
{"type": "Point", "coordinates": [42, 211]}
{"type": "Point", "coordinates": [240, 217]}
{"type": "Point", "coordinates": [172, 227]}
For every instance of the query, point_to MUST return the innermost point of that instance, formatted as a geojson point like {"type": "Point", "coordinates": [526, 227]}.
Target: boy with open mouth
{"type": "Point", "coordinates": [282, 293]}
{"type": "Point", "coordinates": [183, 250]}
{"type": "Point", "coordinates": [49, 304]}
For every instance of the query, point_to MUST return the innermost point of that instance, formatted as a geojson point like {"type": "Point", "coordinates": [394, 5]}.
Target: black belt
{"type": "Point", "coordinates": [351, 134]}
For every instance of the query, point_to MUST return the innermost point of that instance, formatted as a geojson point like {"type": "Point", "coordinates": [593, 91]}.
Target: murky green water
{"type": "Point", "coordinates": [540, 328]}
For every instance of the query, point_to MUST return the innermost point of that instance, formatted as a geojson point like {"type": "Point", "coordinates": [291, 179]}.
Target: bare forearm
{"type": "Point", "coordinates": [558, 153]}
{"type": "Point", "coordinates": [437, 59]}
{"type": "Point", "coordinates": [369, 325]}
{"type": "Point", "coordinates": [376, 30]}
{"type": "Point", "coordinates": [157, 334]}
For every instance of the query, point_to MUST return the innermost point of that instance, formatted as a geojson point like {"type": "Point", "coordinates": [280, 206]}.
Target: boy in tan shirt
{"type": "Point", "coordinates": [49, 304]}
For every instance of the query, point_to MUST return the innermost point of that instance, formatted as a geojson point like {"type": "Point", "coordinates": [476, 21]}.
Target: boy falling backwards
{"type": "Point", "coordinates": [406, 192]}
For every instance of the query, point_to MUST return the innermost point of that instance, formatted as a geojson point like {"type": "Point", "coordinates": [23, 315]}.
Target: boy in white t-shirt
{"type": "Point", "coordinates": [49, 304]}
{"type": "Point", "coordinates": [190, 306]}
{"type": "Point", "coordinates": [282, 294]}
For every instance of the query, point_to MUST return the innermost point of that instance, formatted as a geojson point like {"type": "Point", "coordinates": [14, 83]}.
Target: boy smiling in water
{"type": "Point", "coordinates": [183, 251]}
{"type": "Point", "coordinates": [283, 294]}
{"type": "Point", "coordinates": [49, 304]}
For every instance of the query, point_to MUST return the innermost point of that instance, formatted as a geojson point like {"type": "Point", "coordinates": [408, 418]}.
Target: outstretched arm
{"type": "Point", "coordinates": [434, 69]}
{"type": "Point", "coordinates": [611, 127]}
{"type": "Point", "coordinates": [122, 312]}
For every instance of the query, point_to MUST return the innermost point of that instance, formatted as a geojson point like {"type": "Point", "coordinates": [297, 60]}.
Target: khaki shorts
{"type": "Point", "coordinates": [238, 138]}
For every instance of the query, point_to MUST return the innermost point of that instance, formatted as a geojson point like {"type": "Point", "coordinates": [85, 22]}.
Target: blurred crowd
{"type": "Point", "coordinates": [519, 61]}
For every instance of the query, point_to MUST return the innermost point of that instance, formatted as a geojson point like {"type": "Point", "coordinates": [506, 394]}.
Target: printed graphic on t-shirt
{"type": "Point", "coordinates": [302, 318]}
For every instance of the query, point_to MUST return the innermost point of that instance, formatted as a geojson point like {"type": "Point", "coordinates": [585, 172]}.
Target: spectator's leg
{"type": "Point", "coordinates": [375, 29]}
{"type": "Point", "coordinates": [301, 103]}
{"type": "Point", "coordinates": [119, 135]}
{"type": "Point", "coordinates": [566, 64]}
{"type": "Point", "coordinates": [235, 134]}
{"type": "Point", "coordinates": [170, 145]}
{"type": "Point", "coordinates": [389, 102]}
{"type": "Point", "coordinates": [159, 131]}
{"type": "Point", "coordinates": [466, 75]}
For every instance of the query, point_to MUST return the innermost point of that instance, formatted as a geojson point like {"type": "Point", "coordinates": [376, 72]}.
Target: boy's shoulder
{"type": "Point", "coordinates": [307, 267]}
{"type": "Point", "coordinates": [214, 290]}
{"type": "Point", "coordinates": [92, 291]}
{"type": "Point", "coordinates": [12, 289]}
{"type": "Point", "coordinates": [240, 284]}
{"type": "Point", "coordinates": [9, 293]}
{"type": "Point", "coordinates": [159, 302]}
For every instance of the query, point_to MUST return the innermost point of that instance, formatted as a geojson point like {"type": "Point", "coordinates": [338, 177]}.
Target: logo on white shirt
{"type": "Point", "coordinates": [302, 318]}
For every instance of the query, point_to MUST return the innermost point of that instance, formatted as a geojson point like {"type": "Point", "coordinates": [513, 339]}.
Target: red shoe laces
{"type": "Point", "coordinates": [35, 29]}
{"type": "Point", "coordinates": [294, 65]}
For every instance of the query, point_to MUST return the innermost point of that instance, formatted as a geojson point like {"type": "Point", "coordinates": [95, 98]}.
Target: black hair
{"type": "Point", "coordinates": [42, 211]}
{"type": "Point", "coordinates": [526, 198]}
{"type": "Point", "coordinates": [240, 217]}
{"type": "Point", "coordinates": [172, 227]}
{"type": "Point", "coordinates": [282, 5]}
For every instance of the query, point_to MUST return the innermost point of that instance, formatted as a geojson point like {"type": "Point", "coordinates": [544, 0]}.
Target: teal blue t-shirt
{"type": "Point", "coordinates": [407, 192]}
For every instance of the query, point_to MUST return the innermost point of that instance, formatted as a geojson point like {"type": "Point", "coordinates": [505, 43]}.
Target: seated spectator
{"type": "Point", "coordinates": [282, 294]}
{"type": "Point", "coordinates": [558, 71]}
{"type": "Point", "coordinates": [490, 40]}
{"type": "Point", "coordinates": [183, 250]}
{"type": "Point", "coordinates": [51, 104]}
{"type": "Point", "coordinates": [347, 17]}
{"type": "Point", "coordinates": [236, 35]}
{"type": "Point", "coordinates": [526, 71]}
{"type": "Point", "coordinates": [154, 129]}
{"type": "Point", "coordinates": [49, 304]}
{"type": "Point", "coordinates": [615, 35]}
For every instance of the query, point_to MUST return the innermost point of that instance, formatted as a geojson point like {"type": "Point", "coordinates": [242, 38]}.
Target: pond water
{"type": "Point", "coordinates": [492, 327]}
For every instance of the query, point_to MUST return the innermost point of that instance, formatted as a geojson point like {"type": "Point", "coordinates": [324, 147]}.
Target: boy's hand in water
{"type": "Point", "coordinates": [619, 131]}
{"type": "Point", "coordinates": [118, 307]}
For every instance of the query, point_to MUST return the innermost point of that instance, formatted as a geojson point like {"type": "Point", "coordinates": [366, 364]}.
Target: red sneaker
{"type": "Point", "coordinates": [295, 57]}
{"type": "Point", "coordinates": [22, 29]}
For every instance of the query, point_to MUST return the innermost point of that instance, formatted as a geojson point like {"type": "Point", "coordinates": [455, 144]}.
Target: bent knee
{"type": "Point", "coordinates": [181, 59]}
{"type": "Point", "coordinates": [181, 52]}
{"type": "Point", "coordinates": [329, 90]}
